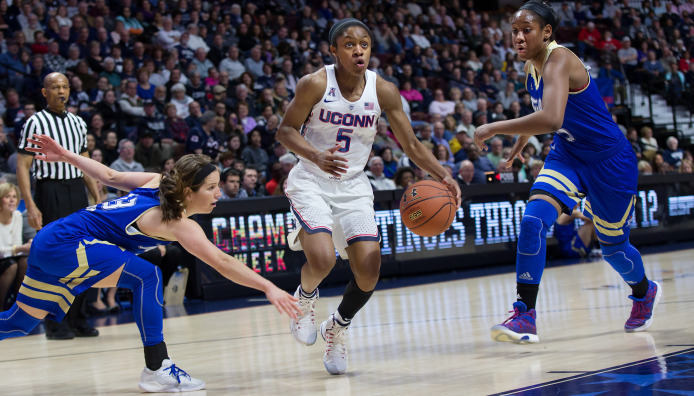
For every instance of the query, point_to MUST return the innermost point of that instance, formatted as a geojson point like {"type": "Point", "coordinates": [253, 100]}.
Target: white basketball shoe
{"type": "Point", "coordinates": [304, 327]}
{"type": "Point", "coordinates": [168, 378]}
{"type": "Point", "coordinates": [335, 357]}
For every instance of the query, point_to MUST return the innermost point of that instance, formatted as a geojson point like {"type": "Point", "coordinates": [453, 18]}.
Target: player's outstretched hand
{"type": "Point", "coordinates": [284, 302]}
{"type": "Point", "coordinates": [47, 149]}
{"type": "Point", "coordinates": [455, 189]}
{"type": "Point", "coordinates": [482, 134]}
{"type": "Point", "coordinates": [517, 150]}
{"type": "Point", "coordinates": [331, 163]}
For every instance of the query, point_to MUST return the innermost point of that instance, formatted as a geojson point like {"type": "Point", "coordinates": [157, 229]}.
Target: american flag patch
{"type": "Point", "coordinates": [368, 105]}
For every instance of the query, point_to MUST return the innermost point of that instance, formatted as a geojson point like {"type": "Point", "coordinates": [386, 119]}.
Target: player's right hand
{"type": "Point", "coordinates": [330, 163]}
{"type": "Point", "coordinates": [284, 302]}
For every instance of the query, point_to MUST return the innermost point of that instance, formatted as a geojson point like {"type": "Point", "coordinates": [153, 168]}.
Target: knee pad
{"type": "Point", "coordinates": [538, 218]}
{"type": "Point", "coordinates": [626, 260]}
{"type": "Point", "coordinates": [532, 243]}
{"type": "Point", "coordinates": [16, 323]}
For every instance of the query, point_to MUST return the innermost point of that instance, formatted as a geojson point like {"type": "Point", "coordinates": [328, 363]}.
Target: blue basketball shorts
{"type": "Point", "coordinates": [64, 261]}
{"type": "Point", "coordinates": [609, 186]}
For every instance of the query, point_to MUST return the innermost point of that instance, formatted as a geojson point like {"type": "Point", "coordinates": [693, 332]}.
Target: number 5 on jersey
{"type": "Point", "coordinates": [344, 138]}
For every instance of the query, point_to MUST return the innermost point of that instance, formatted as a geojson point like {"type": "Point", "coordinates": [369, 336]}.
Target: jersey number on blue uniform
{"type": "Point", "coordinates": [124, 202]}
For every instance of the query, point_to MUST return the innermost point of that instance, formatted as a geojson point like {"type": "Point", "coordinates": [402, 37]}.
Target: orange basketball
{"type": "Point", "coordinates": [427, 208]}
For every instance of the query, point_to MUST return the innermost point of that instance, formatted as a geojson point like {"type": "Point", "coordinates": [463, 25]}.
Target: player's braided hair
{"type": "Point", "coordinates": [544, 10]}
{"type": "Point", "coordinates": [187, 172]}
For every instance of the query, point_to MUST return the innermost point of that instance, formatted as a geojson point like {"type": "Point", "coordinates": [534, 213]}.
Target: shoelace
{"type": "Point", "coordinates": [177, 372]}
{"type": "Point", "coordinates": [638, 311]}
{"type": "Point", "coordinates": [306, 305]}
{"type": "Point", "coordinates": [516, 314]}
{"type": "Point", "coordinates": [335, 339]}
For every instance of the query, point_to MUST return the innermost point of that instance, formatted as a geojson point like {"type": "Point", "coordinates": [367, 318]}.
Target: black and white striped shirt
{"type": "Point", "coordinates": [68, 130]}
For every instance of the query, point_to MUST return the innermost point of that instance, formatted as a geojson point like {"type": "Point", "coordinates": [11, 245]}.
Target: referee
{"type": "Point", "coordinates": [59, 187]}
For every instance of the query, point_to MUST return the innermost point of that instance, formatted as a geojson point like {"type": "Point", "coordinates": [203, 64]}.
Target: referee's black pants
{"type": "Point", "coordinates": [57, 199]}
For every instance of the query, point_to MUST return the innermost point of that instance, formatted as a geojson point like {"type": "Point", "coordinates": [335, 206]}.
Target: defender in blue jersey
{"type": "Point", "coordinates": [97, 247]}
{"type": "Point", "coordinates": [590, 158]}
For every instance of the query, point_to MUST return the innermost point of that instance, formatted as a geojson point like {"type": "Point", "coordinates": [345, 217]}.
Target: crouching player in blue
{"type": "Point", "coordinates": [590, 157]}
{"type": "Point", "coordinates": [97, 247]}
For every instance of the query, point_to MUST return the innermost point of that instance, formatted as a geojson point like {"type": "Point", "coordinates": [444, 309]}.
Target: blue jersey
{"type": "Point", "coordinates": [588, 131]}
{"type": "Point", "coordinates": [114, 221]}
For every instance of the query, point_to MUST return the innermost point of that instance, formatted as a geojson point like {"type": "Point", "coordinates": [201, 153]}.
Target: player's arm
{"type": "Point", "coordinates": [191, 236]}
{"type": "Point", "coordinates": [47, 149]}
{"type": "Point", "coordinates": [309, 91]}
{"type": "Point", "coordinates": [556, 76]}
{"type": "Point", "coordinates": [389, 99]}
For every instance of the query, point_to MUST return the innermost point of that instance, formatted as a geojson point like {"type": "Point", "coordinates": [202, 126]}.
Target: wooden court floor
{"type": "Point", "coordinates": [422, 340]}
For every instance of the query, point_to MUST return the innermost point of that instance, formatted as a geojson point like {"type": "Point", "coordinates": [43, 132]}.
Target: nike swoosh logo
{"type": "Point", "coordinates": [329, 101]}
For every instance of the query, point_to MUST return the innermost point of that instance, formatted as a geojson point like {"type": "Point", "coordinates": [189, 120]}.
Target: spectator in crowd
{"type": "Point", "coordinates": [589, 39]}
{"type": "Point", "coordinates": [286, 163]}
{"type": "Point", "coordinates": [375, 174]}
{"type": "Point", "coordinates": [204, 139]}
{"type": "Point", "coordinates": [253, 154]}
{"type": "Point", "coordinates": [404, 177]}
{"type": "Point", "coordinates": [180, 100]}
{"type": "Point", "coordinates": [466, 174]}
{"type": "Point", "coordinates": [13, 253]}
{"type": "Point", "coordinates": [649, 145]}
{"type": "Point", "coordinates": [230, 185]}
{"type": "Point", "coordinates": [232, 63]}
{"type": "Point", "coordinates": [130, 103]}
{"type": "Point", "coordinates": [494, 156]}
{"type": "Point", "coordinates": [673, 155]}
{"type": "Point", "coordinates": [390, 163]}
{"type": "Point", "coordinates": [148, 153]}
{"type": "Point", "coordinates": [481, 162]}
{"type": "Point", "coordinates": [250, 182]}
{"type": "Point", "coordinates": [126, 158]}
{"type": "Point", "coordinates": [440, 105]}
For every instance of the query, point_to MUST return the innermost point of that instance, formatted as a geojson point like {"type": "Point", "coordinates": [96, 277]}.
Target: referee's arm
{"type": "Point", "coordinates": [91, 184]}
{"type": "Point", "coordinates": [34, 215]}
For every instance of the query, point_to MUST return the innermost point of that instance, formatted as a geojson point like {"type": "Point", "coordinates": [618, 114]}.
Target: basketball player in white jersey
{"type": "Point", "coordinates": [331, 124]}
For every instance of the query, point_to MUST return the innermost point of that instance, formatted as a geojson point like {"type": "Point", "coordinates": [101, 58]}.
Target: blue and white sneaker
{"type": "Point", "coordinates": [519, 328]}
{"type": "Point", "coordinates": [168, 378]}
{"type": "Point", "coordinates": [642, 311]}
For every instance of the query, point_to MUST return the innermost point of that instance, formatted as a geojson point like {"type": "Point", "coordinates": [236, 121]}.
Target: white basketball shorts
{"type": "Point", "coordinates": [341, 208]}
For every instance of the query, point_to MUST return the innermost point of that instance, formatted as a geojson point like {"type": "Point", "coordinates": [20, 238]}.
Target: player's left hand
{"type": "Point", "coordinates": [483, 133]}
{"type": "Point", "coordinates": [516, 151]}
{"type": "Point", "coordinates": [455, 189]}
{"type": "Point", "coordinates": [47, 149]}
{"type": "Point", "coordinates": [284, 302]}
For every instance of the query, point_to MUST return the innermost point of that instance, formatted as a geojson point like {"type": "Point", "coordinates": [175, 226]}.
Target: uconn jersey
{"type": "Point", "coordinates": [114, 220]}
{"type": "Point", "coordinates": [335, 120]}
{"type": "Point", "coordinates": [588, 130]}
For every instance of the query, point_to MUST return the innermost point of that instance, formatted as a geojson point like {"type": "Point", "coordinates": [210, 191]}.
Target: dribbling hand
{"type": "Point", "coordinates": [455, 189]}
{"type": "Point", "coordinates": [330, 163]}
{"type": "Point", "coordinates": [284, 302]}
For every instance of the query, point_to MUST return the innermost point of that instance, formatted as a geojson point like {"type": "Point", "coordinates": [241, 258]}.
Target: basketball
{"type": "Point", "coordinates": [427, 208]}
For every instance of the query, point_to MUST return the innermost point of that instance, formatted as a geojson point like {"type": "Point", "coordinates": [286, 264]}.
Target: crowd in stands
{"type": "Point", "coordinates": [157, 79]}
